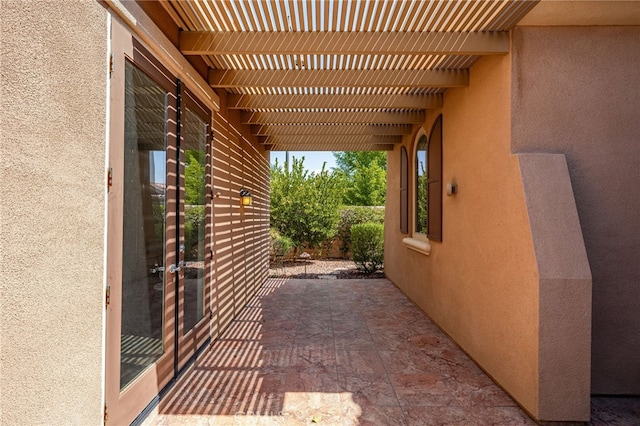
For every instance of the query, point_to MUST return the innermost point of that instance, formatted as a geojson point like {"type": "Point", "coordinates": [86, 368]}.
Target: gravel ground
{"type": "Point", "coordinates": [319, 268]}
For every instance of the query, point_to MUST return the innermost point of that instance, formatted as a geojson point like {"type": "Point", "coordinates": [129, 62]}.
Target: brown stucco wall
{"type": "Point", "coordinates": [240, 233]}
{"type": "Point", "coordinates": [480, 284]}
{"type": "Point", "coordinates": [576, 90]}
{"type": "Point", "coordinates": [52, 190]}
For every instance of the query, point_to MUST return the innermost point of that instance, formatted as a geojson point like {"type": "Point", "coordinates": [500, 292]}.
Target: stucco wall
{"type": "Point", "coordinates": [480, 284]}
{"type": "Point", "coordinates": [52, 184]}
{"type": "Point", "coordinates": [240, 233]}
{"type": "Point", "coordinates": [583, 100]}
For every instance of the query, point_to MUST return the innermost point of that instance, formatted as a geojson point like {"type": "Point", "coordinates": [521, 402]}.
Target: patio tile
{"type": "Point", "coordinates": [372, 416]}
{"type": "Point", "coordinates": [312, 381]}
{"type": "Point", "coordinates": [367, 390]}
{"type": "Point", "coordinates": [424, 389]}
{"type": "Point", "coordinates": [340, 352]}
{"type": "Point", "coordinates": [359, 362]}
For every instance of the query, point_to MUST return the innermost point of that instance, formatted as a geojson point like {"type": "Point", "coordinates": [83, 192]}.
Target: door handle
{"type": "Point", "coordinates": [173, 268]}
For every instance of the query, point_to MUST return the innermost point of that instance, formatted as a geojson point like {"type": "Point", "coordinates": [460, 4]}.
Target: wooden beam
{"type": "Point", "coordinates": [334, 117]}
{"type": "Point", "coordinates": [233, 79]}
{"type": "Point", "coordinates": [343, 43]}
{"type": "Point", "coordinates": [330, 129]}
{"type": "Point", "coordinates": [330, 146]}
{"type": "Point", "coordinates": [255, 102]}
{"type": "Point", "coordinates": [302, 140]}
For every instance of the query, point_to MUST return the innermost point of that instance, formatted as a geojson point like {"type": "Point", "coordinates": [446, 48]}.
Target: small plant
{"type": "Point", "coordinates": [367, 246]}
{"type": "Point", "coordinates": [280, 245]}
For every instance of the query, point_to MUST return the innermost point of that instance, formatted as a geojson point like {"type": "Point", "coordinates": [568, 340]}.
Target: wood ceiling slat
{"type": "Point", "coordinates": [329, 146]}
{"type": "Point", "coordinates": [340, 139]}
{"type": "Point", "coordinates": [322, 74]}
{"type": "Point", "coordinates": [330, 129]}
{"type": "Point", "coordinates": [248, 10]}
{"type": "Point", "coordinates": [186, 21]}
{"type": "Point", "coordinates": [255, 102]}
{"type": "Point", "coordinates": [168, 7]}
{"type": "Point", "coordinates": [291, 43]}
{"type": "Point", "coordinates": [338, 78]}
{"type": "Point", "coordinates": [333, 117]}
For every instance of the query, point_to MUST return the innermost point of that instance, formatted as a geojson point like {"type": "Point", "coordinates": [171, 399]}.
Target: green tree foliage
{"type": "Point", "coordinates": [346, 161]}
{"type": "Point", "coordinates": [305, 206]}
{"type": "Point", "coordinates": [194, 177]}
{"type": "Point", "coordinates": [365, 173]}
{"type": "Point", "coordinates": [368, 246]}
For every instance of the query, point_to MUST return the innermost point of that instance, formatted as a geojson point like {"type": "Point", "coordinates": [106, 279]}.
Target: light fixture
{"type": "Point", "coordinates": [246, 199]}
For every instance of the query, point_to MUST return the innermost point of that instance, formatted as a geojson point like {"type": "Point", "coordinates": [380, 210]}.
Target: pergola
{"type": "Point", "coordinates": [339, 75]}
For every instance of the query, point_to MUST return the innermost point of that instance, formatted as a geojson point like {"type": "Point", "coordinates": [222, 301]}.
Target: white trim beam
{"type": "Point", "coordinates": [400, 101]}
{"type": "Point", "coordinates": [236, 79]}
{"type": "Point", "coordinates": [344, 43]}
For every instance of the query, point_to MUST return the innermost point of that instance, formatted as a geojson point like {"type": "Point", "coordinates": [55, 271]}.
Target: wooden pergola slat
{"type": "Point", "coordinates": [318, 139]}
{"type": "Point", "coordinates": [344, 43]}
{"type": "Point", "coordinates": [330, 129]}
{"type": "Point", "coordinates": [401, 101]}
{"type": "Point", "coordinates": [230, 79]}
{"type": "Point", "coordinates": [334, 117]}
{"type": "Point", "coordinates": [329, 146]}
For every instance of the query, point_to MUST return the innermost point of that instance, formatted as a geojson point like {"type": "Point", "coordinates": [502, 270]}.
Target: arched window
{"type": "Point", "coordinates": [428, 184]}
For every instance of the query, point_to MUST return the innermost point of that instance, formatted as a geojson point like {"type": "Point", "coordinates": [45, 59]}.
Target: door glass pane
{"type": "Point", "coordinates": [144, 224]}
{"type": "Point", "coordinates": [194, 142]}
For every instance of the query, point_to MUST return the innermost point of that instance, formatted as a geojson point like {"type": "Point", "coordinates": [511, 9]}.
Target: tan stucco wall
{"type": "Point", "coordinates": [583, 100]}
{"type": "Point", "coordinates": [510, 282]}
{"type": "Point", "coordinates": [564, 340]}
{"type": "Point", "coordinates": [481, 283]}
{"type": "Point", "coordinates": [52, 183]}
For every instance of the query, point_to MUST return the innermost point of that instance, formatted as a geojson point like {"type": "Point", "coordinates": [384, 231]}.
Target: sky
{"type": "Point", "coordinates": [312, 159]}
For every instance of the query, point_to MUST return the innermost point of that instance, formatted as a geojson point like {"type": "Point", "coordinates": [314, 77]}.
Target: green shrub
{"type": "Point", "coordinates": [194, 233]}
{"type": "Point", "coordinates": [367, 249]}
{"type": "Point", "coordinates": [280, 245]}
{"type": "Point", "coordinates": [352, 215]}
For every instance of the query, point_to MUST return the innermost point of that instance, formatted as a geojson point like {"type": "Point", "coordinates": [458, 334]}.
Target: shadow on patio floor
{"type": "Point", "coordinates": [336, 352]}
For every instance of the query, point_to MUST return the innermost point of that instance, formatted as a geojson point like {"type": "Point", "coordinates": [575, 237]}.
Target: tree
{"type": "Point", "coordinates": [347, 160]}
{"type": "Point", "coordinates": [305, 206]}
{"type": "Point", "coordinates": [194, 177]}
{"type": "Point", "coordinates": [365, 175]}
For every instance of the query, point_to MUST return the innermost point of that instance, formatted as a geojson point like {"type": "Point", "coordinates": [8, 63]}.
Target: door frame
{"type": "Point", "coordinates": [123, 406]}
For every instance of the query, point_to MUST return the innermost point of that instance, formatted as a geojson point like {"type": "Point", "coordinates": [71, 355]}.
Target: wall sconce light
{"type": "Point", "coordinates": [246, 199]}
{"type": "Point", "coordinates": [452, 189]}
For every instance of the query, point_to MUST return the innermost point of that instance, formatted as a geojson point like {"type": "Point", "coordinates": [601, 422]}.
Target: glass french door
{"type": "Point", "coordinates": [195, 220]}
{"type": "Point", "coordinates": [157, 263]}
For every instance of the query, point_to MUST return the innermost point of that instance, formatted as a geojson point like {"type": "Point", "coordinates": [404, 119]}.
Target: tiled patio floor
{"type": "Point", "coordinates": [335, 352]}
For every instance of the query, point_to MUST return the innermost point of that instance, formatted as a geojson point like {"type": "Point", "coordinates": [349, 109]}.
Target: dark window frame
{"type": "Point", "coordinates": [404, 191]}
{"type": "Point", "coordinates": [434, 181]}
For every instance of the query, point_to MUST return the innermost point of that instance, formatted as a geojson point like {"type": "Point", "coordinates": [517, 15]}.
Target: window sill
{"type": "Point", "coordinates": [421, 246]}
